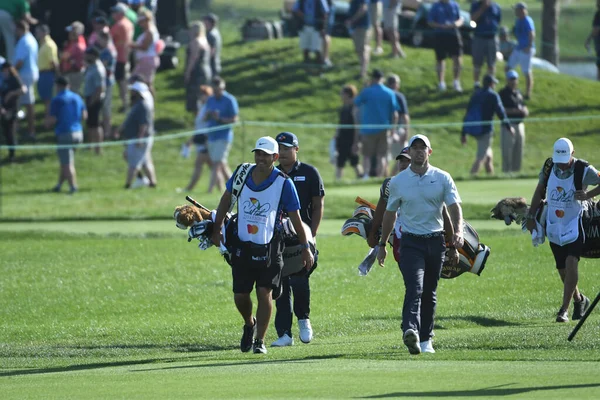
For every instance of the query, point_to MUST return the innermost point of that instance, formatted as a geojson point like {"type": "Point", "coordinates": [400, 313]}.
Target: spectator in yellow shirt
{"type": "Point", "coordinates": [47, 63]}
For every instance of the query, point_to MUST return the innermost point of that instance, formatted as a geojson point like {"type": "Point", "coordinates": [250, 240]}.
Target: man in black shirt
{"type": "Point", "coordinates": [311, 192]}
{"type": "Point", "coordinates": [516, 110]}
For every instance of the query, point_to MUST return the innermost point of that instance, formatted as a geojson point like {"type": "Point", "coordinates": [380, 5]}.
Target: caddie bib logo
{"type": "Point", "coordinates": [254, 210]}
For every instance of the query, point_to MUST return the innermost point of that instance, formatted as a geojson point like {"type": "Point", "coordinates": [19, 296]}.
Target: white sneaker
{"type": "Point", "coordinates": [378, 51]}
{"type": "Point", "coordinates": [140, 182]}
{"type": "Point", "coordinates": [427, 347]}
{"type": "Point", "coordinates": [283, 341]}
{"type": "Point", "coordinates": [442, 86]}
{"type": "Point", "coordinates": [457, 86]}
{"type": "Point", "coordinates": [306, 332]}
{"type": "Point", "coordinates": [411, 340]}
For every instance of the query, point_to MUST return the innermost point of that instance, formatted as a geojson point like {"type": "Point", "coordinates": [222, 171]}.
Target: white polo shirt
{"type": "Point", "coordinates": [419, 199]}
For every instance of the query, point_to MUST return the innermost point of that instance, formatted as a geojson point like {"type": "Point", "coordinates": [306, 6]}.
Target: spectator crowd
{"type": "Point", "coordinates": [123, 47]}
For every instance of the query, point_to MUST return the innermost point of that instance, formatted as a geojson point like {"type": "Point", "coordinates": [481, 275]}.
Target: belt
{"type": "Point", "coordinates": [425, 236]}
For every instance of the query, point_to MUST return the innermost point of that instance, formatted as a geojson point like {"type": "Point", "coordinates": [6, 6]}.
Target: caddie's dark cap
{"type": "Point", "coordinates": [403, 153]}
{"type": "Point", "coordinates": [287, 139]}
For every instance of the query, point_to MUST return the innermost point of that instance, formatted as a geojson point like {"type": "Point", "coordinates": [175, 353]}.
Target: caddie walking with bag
{"type": "Point", "coordinates": [563, 183]}
{"type": "Point", "coordinates": [257, 245]}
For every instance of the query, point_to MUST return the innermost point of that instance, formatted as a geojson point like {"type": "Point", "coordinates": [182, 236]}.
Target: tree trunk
{"type": "Point", "coordinates": [550, 50]}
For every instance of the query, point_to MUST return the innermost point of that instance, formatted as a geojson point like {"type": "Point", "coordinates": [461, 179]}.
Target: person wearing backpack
{"type": "Point", "coordinates": [262, 193]}
{"type": "Point", "coordinates": [478, 123]}
{"type": "Point", "coordinates": [563, 183]}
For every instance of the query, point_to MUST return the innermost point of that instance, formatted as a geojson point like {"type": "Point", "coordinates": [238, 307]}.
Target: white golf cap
{"type": "Point", "coordinates": [267, 144]}
{"type": "Point", "coordinates": [419, 137]}
{"type": "Point", "coordinates": [563, 148]}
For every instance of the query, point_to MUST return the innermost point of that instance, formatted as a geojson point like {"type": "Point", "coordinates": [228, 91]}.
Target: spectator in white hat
{"type": "Point", "coordinates": [139, 124]}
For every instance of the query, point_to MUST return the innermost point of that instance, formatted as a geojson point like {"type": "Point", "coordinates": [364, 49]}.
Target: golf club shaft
{"type": "Point", "coordinates": [582, 320]}
{"type": "Point", "coordinates": [194, 202]}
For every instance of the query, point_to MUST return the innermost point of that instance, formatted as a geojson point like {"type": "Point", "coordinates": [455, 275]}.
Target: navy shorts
{"type": "Point", "coordinates": [45, 85]}
{"type": "Point", "coordinates": [561, 253]}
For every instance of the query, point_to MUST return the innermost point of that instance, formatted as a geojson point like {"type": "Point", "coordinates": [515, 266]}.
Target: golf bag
{"type": "Point", "coordinates": [292, 253]}
{"type": "Point", "coordinates": [472, 257]}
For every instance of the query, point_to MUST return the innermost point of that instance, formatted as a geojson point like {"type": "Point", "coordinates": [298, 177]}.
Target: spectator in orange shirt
{"type": "Point", "coordinates": [122, 35]}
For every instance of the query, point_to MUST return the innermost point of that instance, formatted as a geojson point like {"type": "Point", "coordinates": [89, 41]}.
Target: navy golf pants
{"type": "Point", "coordinates": [299, 286]}
{"type": "Point", "coordinates": [421, 261]}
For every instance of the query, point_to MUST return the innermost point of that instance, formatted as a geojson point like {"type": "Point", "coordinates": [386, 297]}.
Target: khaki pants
{"type": "Point", "coordinates": [512, 148]}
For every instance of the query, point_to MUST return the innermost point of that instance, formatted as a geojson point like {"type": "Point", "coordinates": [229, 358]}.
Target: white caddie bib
{"type": "Point", "coordinates": [257, 212]}
{"type": "Point", "coordinates": [564, 212]}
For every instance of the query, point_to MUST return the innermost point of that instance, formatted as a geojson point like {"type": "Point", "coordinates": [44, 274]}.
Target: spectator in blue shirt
{"type": "Point", "coordinates": [525, 50]}
{"type": "Point", "coordinates": [358, 26]}
{"type": "Point", "coordinates": [312, 15]}
{"type": "Point", "coordinates": [67, 109]}
{"type": "Point", "coordinates": [444, 17]}
{"type": "Point", "coordinates": [483, 105]}
{"type": "Point", "coordinates": [377, 106]}
{"type": "Point", "coordinates": [487, 15]}
{"type": "Point", "coordinates": [25, 62]}
{"type": "Point", "coordinates": [221, 109]}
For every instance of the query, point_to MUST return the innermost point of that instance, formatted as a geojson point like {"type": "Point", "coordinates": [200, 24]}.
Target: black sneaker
{"type": "Point", "coordinates": [259, 347]}
{"type": "Point", "coordinates": [248, 337]}
{"type": "Point", "coordinates": [562, 316]}
{"type": "Point", "coordinates": [580, 307]}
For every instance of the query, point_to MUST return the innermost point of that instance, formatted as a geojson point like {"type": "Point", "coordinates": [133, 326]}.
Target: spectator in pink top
{"type": "Point", "coordinates": [122, 35]}
{"type": "Point", "coordinates": [72, 57]}
{"type": "Point", "coordinates": [146, 54]}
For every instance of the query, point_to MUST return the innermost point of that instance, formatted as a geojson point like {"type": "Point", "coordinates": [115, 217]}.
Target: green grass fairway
{"type": "Point", "coordinates": [313, 378]}
{"type": "Point", "coordinates": [134, 311]}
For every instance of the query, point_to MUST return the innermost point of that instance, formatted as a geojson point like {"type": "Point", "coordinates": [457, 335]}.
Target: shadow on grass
{"type": "Point", "coordinates": [244, 363]}
{"type": "Point", "coordinates": [486, 392]}
{"type": "Point", "coordinates": [183, 348]}
{"type": "Point", "coordinates": [476, 319]}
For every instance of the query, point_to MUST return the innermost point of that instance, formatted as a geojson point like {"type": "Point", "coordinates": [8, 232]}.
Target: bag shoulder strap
{"type": "Point", "coordinates": [239, 180]}
{"type": "Point", "coordinates": [580, 166]}
{"type": "Point", "coordinates": [547, 169]}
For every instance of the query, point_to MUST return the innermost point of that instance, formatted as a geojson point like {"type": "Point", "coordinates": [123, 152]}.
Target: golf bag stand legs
{"type": "Point", "coordinates": [582, 320]}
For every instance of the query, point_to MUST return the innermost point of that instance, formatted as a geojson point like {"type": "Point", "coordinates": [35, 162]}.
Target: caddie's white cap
{"type": "Point", "coordinates": [267, 144]}
{"type": "Point", "coordinates": [419, 137]}
{"type": "Point", "coordinates": [563, 148]}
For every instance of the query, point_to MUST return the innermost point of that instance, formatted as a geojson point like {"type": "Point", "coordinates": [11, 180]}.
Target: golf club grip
{"type": "Point", "coordinates": [582, 320]}
{"type": "Point", "coordinates": [366, 203]}
{"type": "Point", "coordinates": [194, 202]}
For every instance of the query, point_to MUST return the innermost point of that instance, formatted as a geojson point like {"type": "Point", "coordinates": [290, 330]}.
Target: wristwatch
{"type": "Point", "coordinates": [305, 245]}
{"type": "Point", "coordinates": [381, 243]}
